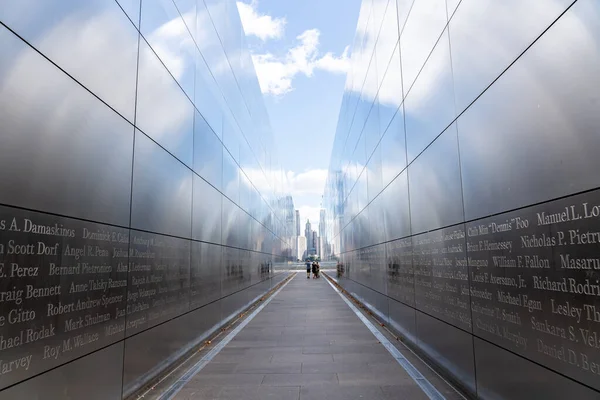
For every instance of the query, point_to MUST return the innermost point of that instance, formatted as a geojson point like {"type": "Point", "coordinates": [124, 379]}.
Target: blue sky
{"type": "Point", "coordinates": [301, 51]}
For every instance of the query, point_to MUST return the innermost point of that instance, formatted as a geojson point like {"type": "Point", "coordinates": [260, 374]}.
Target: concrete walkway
{"type": "Point", "coordinates": [305, 344]}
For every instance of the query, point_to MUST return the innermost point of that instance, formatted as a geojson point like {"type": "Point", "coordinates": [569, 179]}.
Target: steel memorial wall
{"type": "Point", "coordinates": [463, 192]}
{"type": "Point", "coordinates": [139, 190]}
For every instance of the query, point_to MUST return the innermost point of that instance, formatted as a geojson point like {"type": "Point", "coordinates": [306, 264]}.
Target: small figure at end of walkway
{"type": "Point", "coordinates": [315, 270]}
{"type": "Point", "coordinates": [307, 269]}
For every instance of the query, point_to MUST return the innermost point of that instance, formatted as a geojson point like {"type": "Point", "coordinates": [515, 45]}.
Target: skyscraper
{"type": "Point", "coordinates": [308, 233]}
{"type": "Point", "coordinates": [297, 222]}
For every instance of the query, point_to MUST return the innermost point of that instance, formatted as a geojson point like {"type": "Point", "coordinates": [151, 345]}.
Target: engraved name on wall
{"type": "Point", "coordinates": [535, 283]}
{"type": "Point", "coordinates": [63, 287]}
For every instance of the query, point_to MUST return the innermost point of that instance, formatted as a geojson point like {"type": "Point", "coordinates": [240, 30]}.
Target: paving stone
{"type": "Point", "coordinates": [236, 379]}
{"type": "Point", "coordinates": [374, 378]}
{"type": "Point", "coordinates": [336, 392]}
{"type": "Point", "coordinates": [282, 357]}
{"type": "Point", "coordinates": [270, 368]}
{"type": "Point", "coordinates": [412, 392]}
{"type": "Point", "coordinates": [333, 367]}
{"type": "Point", "coordinates": [298, 379]}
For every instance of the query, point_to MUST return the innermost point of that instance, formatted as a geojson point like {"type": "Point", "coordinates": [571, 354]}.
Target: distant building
{"type": "Point", "coordinates": [300, 247]}
{"type": "Point", "coordinates": [289, 215]}
{"type": "Point", "coordinates": [308, 232]}
{"type": "Point", "coordinates": [297, 222]}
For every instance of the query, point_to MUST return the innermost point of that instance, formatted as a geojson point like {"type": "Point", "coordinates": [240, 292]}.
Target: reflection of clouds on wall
{"type": "Point", "coordinates": [174, 46]}
{"type": "Point", "coordinates": [488, 35]}
{"type": "Point", "coordinates": [163, 111]}
{"type": "Point", "coordinates": [94, 42]}
{"type": "Point", "coordinates": [540, 117]}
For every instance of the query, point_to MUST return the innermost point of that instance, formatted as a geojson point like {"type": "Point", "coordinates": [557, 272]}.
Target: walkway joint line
{"type": "Point", "coordinates": [416, 376]}
{"type": "Point", "coordinates": [172, 391]}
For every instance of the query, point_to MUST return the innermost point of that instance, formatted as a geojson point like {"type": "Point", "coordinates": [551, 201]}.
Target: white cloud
{"type": "Point", "coordinates": [309, 182]}
{"type": "Point", "coordinates": [331, 63]}
{"type": "Point", "coordinates": [260, 25]}
{"type": "Point", "coordinates": [275, 74]}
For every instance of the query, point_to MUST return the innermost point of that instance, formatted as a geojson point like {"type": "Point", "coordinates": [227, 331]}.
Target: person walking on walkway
{"type": "Point", "coordinates": [314, 269]}
{"type": "Point", "coordinates": [318, 269]}
{"type": "Point", "coordinates": [307, 269]}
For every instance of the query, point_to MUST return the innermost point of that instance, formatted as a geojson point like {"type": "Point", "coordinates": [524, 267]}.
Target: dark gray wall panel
{"type": "Point", "coordinates": [232, 273]}
{"type": "Point", "coordinates": [162, 191]}
{"type": "Point", "coordinates": [441, 276]}
{"type": "Point", "coordinates": [504, 375]}
{"type": "Point", "coordinates": [205, 285]}
{"type": "Point", "coordinates": [159, 280]}
{"type": "Point", "coordinates": [449, 347]}
{"type": "Point", "coordinates": [535, 272]}
{"type": "Point", "coordinates": [400, 272]}
{"type": "Point", "coordinates": [377, 302]}
{"type": "Point", "coordinates": [532, 122]}
{"type": "Point", "coordinates": [95, 377]}
{"type": "Point", "coordinates": [402, 319]}
{"type": "Point", "coordinates": [63, 290]}
{"type": "Point", "coordinates": [61, 149]}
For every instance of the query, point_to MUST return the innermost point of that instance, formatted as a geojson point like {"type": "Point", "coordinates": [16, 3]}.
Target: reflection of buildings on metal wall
{"type": "Point", "coordinates": [324, 250]}
{"type": "Point", "coordinates": [461, 146]}
{"type": "Point", "coordinates": [290, 215]}
{"type": "Point", "coordinates": [308, 231]}
{"type": "Point", "coordinates": [138, 176]}
{"type": "Point", "coordinates": [300, 247]}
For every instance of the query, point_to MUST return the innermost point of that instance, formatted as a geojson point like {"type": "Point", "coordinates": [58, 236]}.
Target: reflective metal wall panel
{"type": "Point", "coordinates": [61, 149]}
{"type": "Point", "coordinates": [450, 347]}
{"type": "Point", "coordinates": [116, 192]}
{"type": "Point", "coordinates": [97, 376]}
{"type": "Point", "coordinates": [63, 292]}
{"type": "Point", "coordinates": [485, 31]}
{"type": "Point", "coordinates": [205, 285]}
{"type": "Point", "coordinates": [435, 185]}
{"type": "Point", "coordinates": [93, 41]}
{"type": "Point", "coordinates": [532, 119]}
{"type": "Point", "coordinates": [503, 375]}
{"type": "Point", "coordinates": [490, 228]}
{"type": "Point", "coordinates": [206, 212]}
{"type": "Point", "coordinates": [429, 106]}
{"type": "Point", "coordinates": [208, 156]}
{"type": "Point", "coordinates": [159, 280]}
{"type": "Point", "coordinates": [162, 190]}
{"type": "Point", "coordinates": [163, 111]}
